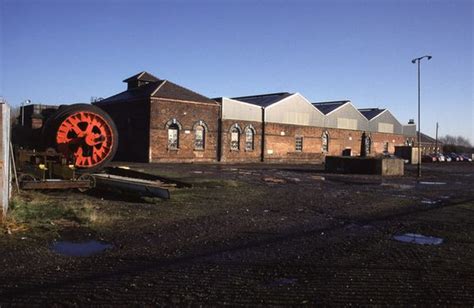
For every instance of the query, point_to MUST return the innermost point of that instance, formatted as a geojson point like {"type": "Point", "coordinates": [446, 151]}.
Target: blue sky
{"type": "Point", "coordinates": [56, 52]}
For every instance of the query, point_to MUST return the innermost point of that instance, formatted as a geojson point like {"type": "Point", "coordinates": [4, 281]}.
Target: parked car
{"type": "Point", "coordinates": [428, 158]}
{"type": "Point", "coordinates": [448, 159]}
{"type": "Point", "coordinates": [454, 156]}
{"type": "Point", "coordinates": [466, 157]}
{"type": "Point", "coordinates": [440, 157]}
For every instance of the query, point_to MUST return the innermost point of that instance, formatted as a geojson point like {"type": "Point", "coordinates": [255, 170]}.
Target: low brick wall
{"type": "Point", "coordinates": [364, 165]}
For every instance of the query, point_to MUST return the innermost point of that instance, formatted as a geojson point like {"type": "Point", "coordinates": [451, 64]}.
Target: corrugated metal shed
{"type": "Point", "coordinates": [382, 121]}
{"type": "Point", "coordinates": [343, 115]}
{"type": "Point", "coordinates": [296, 110]}
{"type": "Point", "coordinates": [236, 110]}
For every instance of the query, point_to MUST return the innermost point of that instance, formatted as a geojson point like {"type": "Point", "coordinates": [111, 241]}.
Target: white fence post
{"type": "Point", "coordinates": [5, 175]}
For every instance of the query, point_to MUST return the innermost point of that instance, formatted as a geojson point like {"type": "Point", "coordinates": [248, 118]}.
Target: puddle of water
{"type": "Point", "coordinates": [397, 186]}
{"type": "Point", "coordinates": [429, 201]}
{"type": "Point", "coordinates": [432, 183]}
{"type": "Point", "coordinates": [418, 239]}
{"type": "Point", "coordinates": [82, 249]}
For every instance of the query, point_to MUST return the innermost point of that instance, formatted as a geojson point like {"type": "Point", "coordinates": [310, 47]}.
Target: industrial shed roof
{"type": "Point", "coordinates": [371, 113]}
{"type": "Point", "coordinates": [263, 100]}
{"type": "Point", "coordinates": [327, 107]}
{"type": "Point", "coordinates": [156, 88]}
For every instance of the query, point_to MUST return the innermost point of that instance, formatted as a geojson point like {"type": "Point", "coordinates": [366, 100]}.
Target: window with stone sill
{"type": "Point", "coordinates": [249, 139]}
{"type": "Point", "coordinates": [325, 142]}
{"type": "Point", "coordinates": [199, 137]}
{"type": "Point", "coordinates": [173, 137]}
{"type": "Point", "coordinates": [368, 145]}
{"type": "Point", "coordinates": [234, 139]}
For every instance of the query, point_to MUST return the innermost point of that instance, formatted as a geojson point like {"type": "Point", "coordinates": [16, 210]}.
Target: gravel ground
{"type": "Point", "coordinates": [259, 235]}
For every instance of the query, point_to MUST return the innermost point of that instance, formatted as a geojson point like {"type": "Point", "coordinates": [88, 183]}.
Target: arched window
{"type": "Point", "coordinates": [249, 138]}
{"type": "Point", "coordinates": [200, 128]}
{"type": "Point", "coordinates": [235, 137]}
{"type": "Point", "coordinates": [368, 145]}
{"type": "Point", "coordinates": [199, 137]}
{"type": "Point", "coordinates": [173, 136]}
{"type": "Point", "coordinates": [325, 142]}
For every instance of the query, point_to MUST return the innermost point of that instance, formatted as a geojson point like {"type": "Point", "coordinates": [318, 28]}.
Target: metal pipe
{"type": "Point", "coordinates": [262, 152]}
{"type": "Point", "coordinates": [419, 124]}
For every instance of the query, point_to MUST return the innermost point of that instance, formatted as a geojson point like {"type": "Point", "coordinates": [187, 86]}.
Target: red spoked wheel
{"type": "Point", "coordinates": [88, 136]}
{"type": "Point", "coordinates": [85, 133]}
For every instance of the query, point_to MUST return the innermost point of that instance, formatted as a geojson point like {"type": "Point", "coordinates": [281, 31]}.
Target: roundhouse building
{"type": "Point", "coordinates": [159, 121]}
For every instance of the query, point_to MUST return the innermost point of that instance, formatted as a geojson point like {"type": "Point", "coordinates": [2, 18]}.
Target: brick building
{"type": "Point", "coordinates": [158, 120]}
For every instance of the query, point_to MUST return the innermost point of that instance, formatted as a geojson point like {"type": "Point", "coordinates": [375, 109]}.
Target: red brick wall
{"type": "Point", "coordinates": [378, 140]}
{"type": "Point", "coordinates": [138, 143]}
{"type": "Point", "coordinates": [187, 114]}
{"type": "Point", "coordinates": [242, 155]}
{"type": "Point", "coordinates": [280, 142]}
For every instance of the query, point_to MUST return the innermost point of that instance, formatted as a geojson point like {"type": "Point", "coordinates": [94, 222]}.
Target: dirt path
{"type": "Point", "coordinates": [260, 235]}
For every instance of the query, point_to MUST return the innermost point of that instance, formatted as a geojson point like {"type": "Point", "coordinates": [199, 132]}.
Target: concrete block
{"type": "Point", "coordinates": [365, 165]}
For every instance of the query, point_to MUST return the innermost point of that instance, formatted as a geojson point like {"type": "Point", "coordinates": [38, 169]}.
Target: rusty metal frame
{"type": "Point", "coordinates": [56, 184]}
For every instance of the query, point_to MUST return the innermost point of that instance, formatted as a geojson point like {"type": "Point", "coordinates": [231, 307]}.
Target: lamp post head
{"type": "Point", "coordinates": [419, 59]}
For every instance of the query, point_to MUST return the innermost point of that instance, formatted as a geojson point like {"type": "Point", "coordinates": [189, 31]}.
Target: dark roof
{"type": "Point", "coordinates": [263, 100]}
{"type": "Point", "coordinates": [144, 76]}
{"type": "Point", "coordinates": [371, 113]}
{"type": "Point", "coordinates": [173, 91]}
{"type": "Point", "coordinates": [327, 107]}
{"type": "Point", "coordinates": [144, 91]}
{"type": "Point", "coordinates": [427, 139]}
{"type": "Point", "coordinates": [159, 88]}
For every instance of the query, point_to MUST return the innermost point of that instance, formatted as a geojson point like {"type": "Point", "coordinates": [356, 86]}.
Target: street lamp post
{"type": "Point", "coordinates": [417, 60]}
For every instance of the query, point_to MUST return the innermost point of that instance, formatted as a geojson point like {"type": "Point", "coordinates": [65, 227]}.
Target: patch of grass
{"type": "Point", "coordinates": [38, 211]}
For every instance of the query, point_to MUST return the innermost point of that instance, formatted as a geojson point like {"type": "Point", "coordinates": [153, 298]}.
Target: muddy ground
{"type": "Point", "coordinates": [249, 235]}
